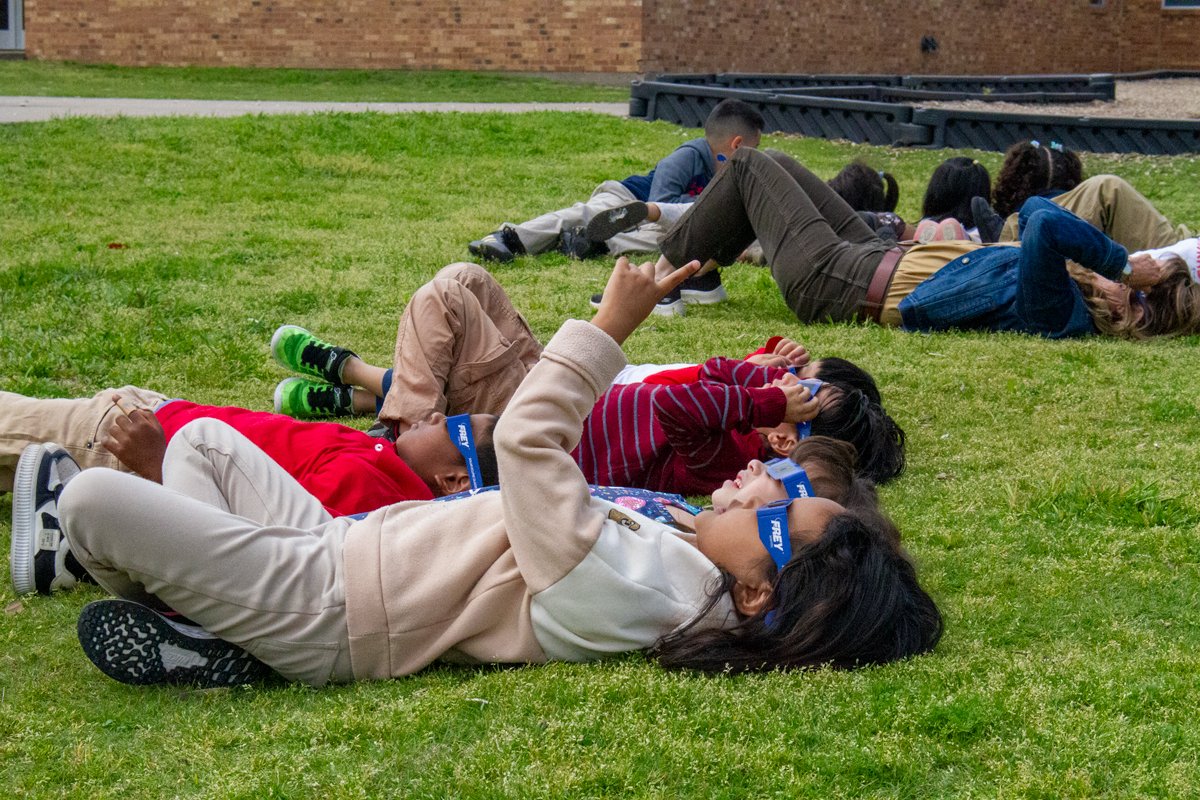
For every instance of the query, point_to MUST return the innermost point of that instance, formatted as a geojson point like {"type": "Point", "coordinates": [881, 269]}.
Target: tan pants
{"type": "Point", "coordinates": [229, 540]}
{"type": "Point", "coordinates": [79, 426]}
{"type": "Point", "coordinates": [1119, 210]}
{"type": "Point", "coordinates": [461, 348]}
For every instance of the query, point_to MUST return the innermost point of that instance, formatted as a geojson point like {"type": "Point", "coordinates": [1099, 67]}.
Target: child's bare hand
{"type": "Point", "coordinates": [139, 443]}
{"type": "Point", "coordinates": [631, 294]}
{"type": "Point", "coordinates": [792, 351]}
{"type": "Point", "coordinates": [801, 404]}
{"type": "Point", "coordinates": [768, 360]}
{"type": "Point", "coordinates": [1147, 271]}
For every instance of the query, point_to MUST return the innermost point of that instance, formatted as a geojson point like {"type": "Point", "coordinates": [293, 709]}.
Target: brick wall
{"type": "Point", "coordinates": [515, 35]}
{"type": "Point", "coordinates": [868, 36]}
{"type": "Point", "coordinates": [977, 37]}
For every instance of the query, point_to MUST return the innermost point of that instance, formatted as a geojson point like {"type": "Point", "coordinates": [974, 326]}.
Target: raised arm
{"type": "Point", "coordinates": [551, 522]}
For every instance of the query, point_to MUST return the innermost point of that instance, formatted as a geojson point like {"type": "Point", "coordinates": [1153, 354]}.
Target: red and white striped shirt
{"type": "Point", "coordinates": [687, 438]}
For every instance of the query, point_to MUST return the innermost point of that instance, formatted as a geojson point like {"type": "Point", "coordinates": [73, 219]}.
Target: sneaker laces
{"type": "Point", "coordinates": [322, 357]}
{"type": "Point", "coordinates": [330, 398]}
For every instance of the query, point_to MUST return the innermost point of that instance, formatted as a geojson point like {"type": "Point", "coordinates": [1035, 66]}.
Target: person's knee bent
{"type": "Point", "coordinates": [1106, 184]}
{"type": "Point", "coordinates": [85, 511]}
{"type": "Point", "coordinates": [473, 276]}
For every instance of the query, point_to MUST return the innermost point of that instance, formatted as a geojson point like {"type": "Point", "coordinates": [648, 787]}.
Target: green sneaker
{"type": "Point", "coordinates": [298, 350]}
{"type": "Point", "coordinates": [305, 399]}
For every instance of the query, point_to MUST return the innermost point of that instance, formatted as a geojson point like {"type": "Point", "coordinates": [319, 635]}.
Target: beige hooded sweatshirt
{"type": "Point", "coordinates": [535, 572]}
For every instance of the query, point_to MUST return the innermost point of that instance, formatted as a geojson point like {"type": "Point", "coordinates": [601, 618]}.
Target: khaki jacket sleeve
{"type": "Point", "coordinates": [551, 522]}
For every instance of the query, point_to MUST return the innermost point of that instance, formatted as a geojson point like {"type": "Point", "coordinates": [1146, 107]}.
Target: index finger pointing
{"type": "Point", "coordinates": [678, 276]}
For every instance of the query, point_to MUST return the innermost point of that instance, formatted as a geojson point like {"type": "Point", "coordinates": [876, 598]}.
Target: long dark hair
{"type": "Point", "coordinates": [864, 189]}
{"type": "Point", "coordinates": [849, 599]}
{"type": "Point", "coordinates": [1171, 306]}
{"type": "Point", "coordinates": [951, 187]}
{"type": "Point", "coordinates": [1030, 168]}
{"type": "Point", "coordinates": [876, 437]}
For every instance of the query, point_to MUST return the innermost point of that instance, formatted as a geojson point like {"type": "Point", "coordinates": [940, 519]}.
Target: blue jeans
{"type": "Point", "coordinates": [1048, 300]}
{"type": "Point", "coordinates": [1019, 289]}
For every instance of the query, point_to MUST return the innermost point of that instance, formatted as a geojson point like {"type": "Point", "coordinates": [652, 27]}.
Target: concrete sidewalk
{"type": "Point", "coordinates": [40, 109]}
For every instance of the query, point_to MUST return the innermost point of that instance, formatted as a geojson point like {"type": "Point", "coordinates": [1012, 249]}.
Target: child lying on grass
{"type": "Point", "coordinates": [535, 572]}
{"type": "Point", "coordinates": [346, 470]}
{"type": "Point", "coordinates": [462, 347]}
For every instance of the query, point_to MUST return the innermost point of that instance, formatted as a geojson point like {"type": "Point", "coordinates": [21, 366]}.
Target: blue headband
{"type": "Point", "coordinates": [773, 531]}
{"type": "Point", "coordinates": [804, 429]}
{"type": "Point", "coordinates": [793, 477]}
{"type": "Point", "coordinates": [459, 428]}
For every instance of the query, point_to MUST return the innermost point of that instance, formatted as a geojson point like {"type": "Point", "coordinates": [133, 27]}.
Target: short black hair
{"type": "Point", "coordinates": [733, 117]}
{"type": "Point", "coordinates": [876, 437]}
{"type": "Point", "coordinates": [845, 373]}
{"type": "Point", "coordinates": [485, 451]}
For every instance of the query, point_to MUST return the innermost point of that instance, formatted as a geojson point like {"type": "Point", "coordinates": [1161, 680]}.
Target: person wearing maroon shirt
{"type": "Point", "coordinates": [462, 346]}
{"type": "Point", "coordinates": [692, 437]}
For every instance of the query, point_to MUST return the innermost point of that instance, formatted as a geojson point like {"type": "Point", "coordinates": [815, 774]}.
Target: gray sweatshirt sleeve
{"type": "Point", "coordinates": [673, 175]}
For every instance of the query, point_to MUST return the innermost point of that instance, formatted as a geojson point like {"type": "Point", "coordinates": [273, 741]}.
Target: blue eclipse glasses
{"type": "Point", "coordinates": [459, 428]}
{"type": "Point", "coordinates": [792, 476]}
{"type": "Point", "coordinates": [804, 429]}
{"type": "Point", "coordinates": [773, 531]}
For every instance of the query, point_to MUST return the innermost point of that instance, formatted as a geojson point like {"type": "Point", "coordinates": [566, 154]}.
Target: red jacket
{"type": "Point", "coordinates": [348, 471]}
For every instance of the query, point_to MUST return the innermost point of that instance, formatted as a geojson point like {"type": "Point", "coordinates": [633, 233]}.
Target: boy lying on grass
{"type": "Point", "coordinates": [346, 470]}
{"type": "Point", "coordinates": [462, 347]}
{"type": "Point", "coordinates": [535, 572]}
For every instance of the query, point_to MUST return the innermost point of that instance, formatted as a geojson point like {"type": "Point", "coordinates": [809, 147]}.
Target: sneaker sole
{"type": "Point", "coordinates": [609, 223]}
{"type": "Point", "coordinates": [133, 644]}
{"type": "Point", "coordinates": [704, 298]}
{"type": "Point", "coordinates": [279, 394]}
{"type": "Point", "coordinates": [20, 553]}
{"type": "Point", "coordinates": [676, 309]}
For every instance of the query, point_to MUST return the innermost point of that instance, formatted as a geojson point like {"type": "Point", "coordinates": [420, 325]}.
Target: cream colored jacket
{"type": "Point", "coordinates": [538, 571]}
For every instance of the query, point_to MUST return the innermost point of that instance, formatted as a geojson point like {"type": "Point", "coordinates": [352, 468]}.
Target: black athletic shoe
{"type": "Point", "coordinates": [501, 245]}
{"type": "Point", "coordinates": [134, 644]}
{"type": "Point", "coordinates": [382, 430]}
{"type": "Point", "coordinates": [40, 556]}
{"type": "Point", "coordinates": [574, 243]}
{"type": "Point", "coordinates": [670, 306]}
{"type": "Point", "coordinates": [610, 222]}
{"type": "Point", "coordinates": [987, 221]}
{"type": "Point", "coordinates": [705, 290]}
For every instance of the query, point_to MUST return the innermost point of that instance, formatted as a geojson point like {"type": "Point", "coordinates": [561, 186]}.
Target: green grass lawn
{"type": "Point", "coordinates": [239, 83]}
{"type": "Point", "coordinates": [1050, 499]}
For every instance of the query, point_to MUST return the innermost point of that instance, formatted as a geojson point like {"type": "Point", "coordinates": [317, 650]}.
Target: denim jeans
{"type": "Point", "coordinates": [1026, 289]}
{"type": "Point", "coordinates": [1048, 300]}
